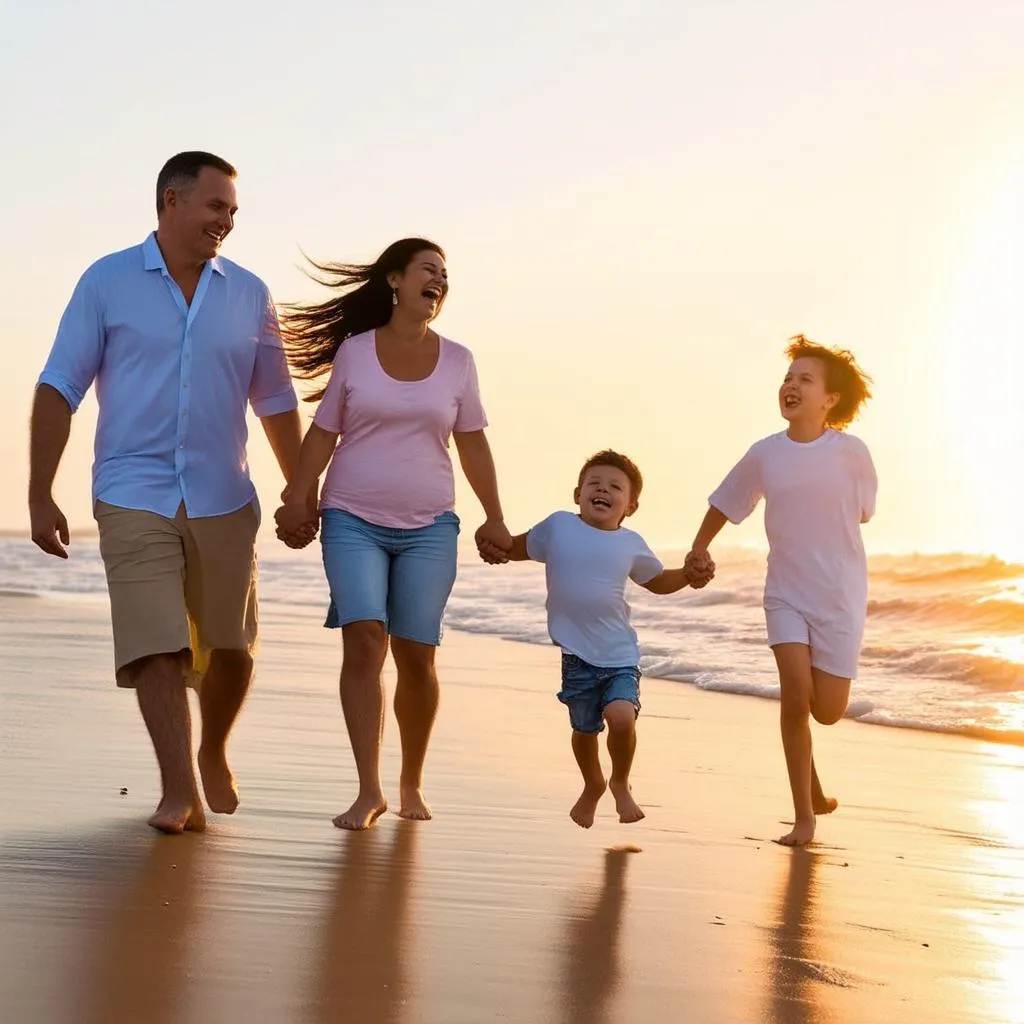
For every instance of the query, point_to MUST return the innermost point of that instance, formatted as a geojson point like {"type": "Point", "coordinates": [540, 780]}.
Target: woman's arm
{"type": "Point", "coordinates": [299, 508]}
{"type": "Point", "coordinates": [492, 538]}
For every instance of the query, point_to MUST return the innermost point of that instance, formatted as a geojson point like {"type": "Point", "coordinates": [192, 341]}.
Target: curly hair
{"type": "Point", "coordinates": [617, 461]}
{"type": "Point", "coordinates": [842, 377]}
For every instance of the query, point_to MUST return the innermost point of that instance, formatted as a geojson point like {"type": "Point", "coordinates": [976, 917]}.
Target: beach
{"type": "Point", "coordinates": [909, 905]}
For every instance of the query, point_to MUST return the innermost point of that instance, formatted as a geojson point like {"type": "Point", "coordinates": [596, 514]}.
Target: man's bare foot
{"type": "Point", "coordinates": [218, 783]}
{"type": "Point", "coordinates": [629, 810]}
{"type": "Point", "coordinates": [802, 834]}
{"type": "Point", "coordinates": [177, 816]}
{"type": "Point", "coordinates": [585, 808]}
{"type": "Point", "coordinates": [412, 805]}
{"type": "Point", "coordinates": [826, 805]}
{"type": "Point", "coordinates": [362, 814]}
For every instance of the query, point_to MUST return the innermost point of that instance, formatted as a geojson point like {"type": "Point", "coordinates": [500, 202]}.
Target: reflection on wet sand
{"type": "Point", "coordinates": [362, 973]}
{"type": "Point", "coordinates": [794, 972]}
{"type": "Point", "coordinates": [591, 970]}
{"type": "Point", "coordinates": [142, 962]}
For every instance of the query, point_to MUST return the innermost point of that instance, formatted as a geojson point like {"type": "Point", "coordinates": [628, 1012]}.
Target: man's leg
{"type": "Point", "coordinates": [221, 697]}
{"type": "Point", "coordinates": [163, 701]}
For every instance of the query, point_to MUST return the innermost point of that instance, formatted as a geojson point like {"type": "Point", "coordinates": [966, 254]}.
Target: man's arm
{"type": "Point", "coordinates": [49, 432]}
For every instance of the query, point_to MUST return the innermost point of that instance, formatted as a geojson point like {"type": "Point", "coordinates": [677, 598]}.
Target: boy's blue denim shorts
{"type": "Point", "coordinates": [587, 690]}
{"type": "Point", "coordinates": [381, 574]}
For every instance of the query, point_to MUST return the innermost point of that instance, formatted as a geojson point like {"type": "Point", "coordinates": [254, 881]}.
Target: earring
{"type": "Point", "coordinates": [394, 297]}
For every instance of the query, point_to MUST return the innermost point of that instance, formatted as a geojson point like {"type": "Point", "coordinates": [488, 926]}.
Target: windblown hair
{"type": "Point", "coordinates": [842, 377]}
{"type": "Point", "coordinates": [617, 461]}
{"type": "Point", "coordinates": [312, 334]}
{"type": "Point", "coordinates": [182, 169]}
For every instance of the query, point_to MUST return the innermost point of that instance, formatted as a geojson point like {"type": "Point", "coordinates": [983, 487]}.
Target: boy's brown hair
{"type": "Point", "coordinates": [617, 461]}
{"type": "Point", "coordinates": [842, 377]}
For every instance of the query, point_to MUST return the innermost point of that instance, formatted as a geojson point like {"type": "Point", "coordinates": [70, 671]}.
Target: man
{"type": "Point", "coordinates": [178, 340]}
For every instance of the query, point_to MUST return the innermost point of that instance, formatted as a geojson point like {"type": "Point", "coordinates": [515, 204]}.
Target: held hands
{"type": "Point", "coordinates": [297, 519]}
{"type": "Point", "coordinates": [494, 542]}
{"type": "Point", "coordinates": [699, 569]}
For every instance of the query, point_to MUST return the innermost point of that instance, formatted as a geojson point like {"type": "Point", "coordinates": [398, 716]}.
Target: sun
{"type": "Point", "coordinates": [984, 383]}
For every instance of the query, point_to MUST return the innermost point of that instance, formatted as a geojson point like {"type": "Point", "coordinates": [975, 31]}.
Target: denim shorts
{"type": "Point", "coordinates": [381, 574]}
{"type": "Point", "coordinates": [587, 690]}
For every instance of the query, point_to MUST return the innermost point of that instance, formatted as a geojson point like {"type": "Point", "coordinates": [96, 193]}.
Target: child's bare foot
{"type": "Point", "coordinates": [363, 813]}
{"type": "Point", "coordinates": [177, 816]}
{"type": "Point", "coordinates": [802, 834]}
{"type": "Point", "coordinates": [629, 810]}
{"type": "Point", "coordinates": [826, 805]}
{"type": "Point", "coordinates": [412, 805]}
{"type": "Point", "coordinates": [585, 808]}
{"type": "Point", "coordinates": [218, 783]}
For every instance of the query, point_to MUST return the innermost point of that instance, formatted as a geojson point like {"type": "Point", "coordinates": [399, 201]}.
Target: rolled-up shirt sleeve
{"type": "Point", "coordinates": [77, 350]}
{"type": "Point", "coordinates": [271, 390]}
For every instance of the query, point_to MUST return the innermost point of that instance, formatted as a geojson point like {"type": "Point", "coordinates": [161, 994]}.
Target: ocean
{"type": "Point", "coordinates": [943, 651]}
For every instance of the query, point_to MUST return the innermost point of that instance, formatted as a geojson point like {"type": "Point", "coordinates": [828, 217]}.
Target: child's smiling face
{"type": "Point", "coordinates": [605, 497]}
{"type": "Point", "coordinates": [804, 396]}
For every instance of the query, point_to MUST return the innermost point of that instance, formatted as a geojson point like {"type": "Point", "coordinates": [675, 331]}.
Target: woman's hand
{"type": "Point", "coordinates": [297, 522]}
{"type": "Point", "coordinates": [699, 569]}
{"type": "Point", "coordinates": [494, 541]}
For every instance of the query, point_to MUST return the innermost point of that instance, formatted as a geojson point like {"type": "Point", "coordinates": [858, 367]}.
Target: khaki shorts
{"type": "Point", "coordinates": [179, 585]}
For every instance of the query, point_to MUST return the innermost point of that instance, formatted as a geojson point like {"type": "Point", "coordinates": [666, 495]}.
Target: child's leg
{"type": "Point", "coordinates": [806, 691]}
{"type": "Point", "coordinates": [620, 715]}
{"type": "Point", "coordinates": [585, 747]}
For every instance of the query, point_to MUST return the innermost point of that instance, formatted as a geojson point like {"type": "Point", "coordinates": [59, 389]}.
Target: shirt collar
{"type": "Point", "coordinates": [153, 258]}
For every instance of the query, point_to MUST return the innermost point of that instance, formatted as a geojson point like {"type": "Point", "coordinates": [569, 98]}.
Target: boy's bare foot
{"type": "Point", "coordinates": [412, 805]}
{"type": "Point", "coordinates": [802, 834]}
{"type": "Point", "coordinates": [218, 783]}
{"type": "Point", "coordinates": [177, 816]}
{"type": "Point", "coordinates": [826, 805]}
{"type": "Point", "coordinates": [629, 810]}
{"type": "Point", "coordinates": [363, 813]}
{"type": "Point", "coordinates": [585, 808]}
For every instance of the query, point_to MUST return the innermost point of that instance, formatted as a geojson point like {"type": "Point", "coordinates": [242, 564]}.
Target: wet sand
{"type": "Point", "coordinates": [910, 905]}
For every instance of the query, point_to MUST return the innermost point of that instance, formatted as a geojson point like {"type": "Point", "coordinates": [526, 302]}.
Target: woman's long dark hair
{"type": "Point", "coordinates": [313, 334]}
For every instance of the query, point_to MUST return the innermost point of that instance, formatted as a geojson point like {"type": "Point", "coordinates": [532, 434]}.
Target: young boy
{"type": "Point", "coordinates": [819, 485]}
{"type": "Point", "coordinates": [588, 559]}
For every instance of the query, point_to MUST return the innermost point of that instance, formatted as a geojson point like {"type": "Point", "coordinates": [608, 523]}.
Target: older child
{"type": "Point", "coordinates": [589, 556]}
{"type": "Point", "coordinates": [819, 485]}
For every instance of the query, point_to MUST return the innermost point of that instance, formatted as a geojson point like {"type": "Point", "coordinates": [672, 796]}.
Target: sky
{"type": "Point", "coordinates": [640, 203]}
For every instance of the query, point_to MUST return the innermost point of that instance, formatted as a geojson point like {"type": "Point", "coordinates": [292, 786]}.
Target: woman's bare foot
{"type": "Point", "coordinates": [585, 808]}
{"type": "Point", "coordinates": [177, 816]}
{"type": "Point", "coordinates": [802, 834]}
{"type": "Point", "coordinates": [412, 805]}
{"type": "Point", "coordinates": [363, 813]}
{"type": "Point", "coordinates": [218, 783]}
{"type": "Point", "coordinates": [826, 805]}
{"type": "Point", "coordinates": [629, 810]}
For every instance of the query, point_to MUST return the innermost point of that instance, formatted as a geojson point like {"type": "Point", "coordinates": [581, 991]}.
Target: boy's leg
{"type": "Point", "coordinates": [620, 715]}
{"type": "Point", "coordinates": [831, 695]}
{"type": "Point", "coordinates": [796, 680]}
{"type": "Point", "coordinates": [585, 748]}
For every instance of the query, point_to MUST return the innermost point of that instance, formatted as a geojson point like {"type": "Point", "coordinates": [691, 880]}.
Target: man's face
{"type": "Point", "coordinates": [201, 215]}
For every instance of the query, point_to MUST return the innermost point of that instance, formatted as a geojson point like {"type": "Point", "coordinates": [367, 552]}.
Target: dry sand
{"type": "Point", "coordinates": [909, 907]}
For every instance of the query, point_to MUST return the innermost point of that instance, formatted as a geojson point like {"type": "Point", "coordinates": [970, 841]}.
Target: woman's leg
{"type": "Point", "coordinates": [422, 574]}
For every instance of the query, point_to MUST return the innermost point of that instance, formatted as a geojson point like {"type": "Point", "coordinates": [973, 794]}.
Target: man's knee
{"type": "Point", "coordinates": [231, 663]}
{"type": "Point", "coordinates": [156, 669]}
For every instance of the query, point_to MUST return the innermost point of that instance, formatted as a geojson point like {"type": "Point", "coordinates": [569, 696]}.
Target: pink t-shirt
{"type": "Point", "coordinates": [392, 466]}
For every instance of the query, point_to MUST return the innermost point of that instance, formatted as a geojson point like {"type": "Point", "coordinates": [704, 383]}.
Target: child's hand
{"type": "Point", "coordinates": [493, 542]}
{"type": "Point", "coordinates": [699, 569]}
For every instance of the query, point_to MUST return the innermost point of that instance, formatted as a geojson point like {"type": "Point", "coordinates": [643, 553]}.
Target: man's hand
{"type": "Point", "coordinates": [494, 542]}
{"type": "Point", "coordinates": [297, 523]}
{"type": "Point", "coordinates": [699, 569]}
{"type": "Point", "coordinates": [49, 527]}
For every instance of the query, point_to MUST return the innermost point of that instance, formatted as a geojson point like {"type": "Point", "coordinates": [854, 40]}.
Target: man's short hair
{"type": "Point", "coordinates": [182, 170]}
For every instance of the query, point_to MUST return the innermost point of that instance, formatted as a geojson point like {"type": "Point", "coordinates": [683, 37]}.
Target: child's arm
{"type": "Point", "coordinates": [518, 552]}
{"type": "Point", "coordinates": [668, 581]}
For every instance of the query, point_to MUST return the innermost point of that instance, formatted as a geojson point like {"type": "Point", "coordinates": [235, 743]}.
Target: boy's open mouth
{"type": "Point", "coordinates": [600, 502]}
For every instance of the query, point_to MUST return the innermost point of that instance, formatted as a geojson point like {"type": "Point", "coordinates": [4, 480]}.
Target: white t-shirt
{"type": "Point", "coordinates": [816, 496]}
{"type": "Point", "coordinates": [587, 570]}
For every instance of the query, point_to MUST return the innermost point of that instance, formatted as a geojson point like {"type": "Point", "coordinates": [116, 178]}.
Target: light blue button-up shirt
{"type": "Point", "coordinates": [172, 379]}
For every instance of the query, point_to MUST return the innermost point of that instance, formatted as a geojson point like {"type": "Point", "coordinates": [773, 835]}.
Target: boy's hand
{"type": "Point", "coordinates": [699, 569]}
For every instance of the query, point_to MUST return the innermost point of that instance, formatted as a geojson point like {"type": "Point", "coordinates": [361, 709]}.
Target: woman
{"type": "Point", "coordinates": [397, 393]}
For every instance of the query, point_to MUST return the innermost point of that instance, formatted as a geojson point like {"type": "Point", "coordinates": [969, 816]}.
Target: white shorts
{"type": "Point", "coordinates": [835, 643]}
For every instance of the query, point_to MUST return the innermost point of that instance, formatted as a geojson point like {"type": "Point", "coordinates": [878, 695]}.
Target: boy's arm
{"type": "Point", "coordinates": [668, 581]}
{"type": "Point", "coordinates": [518, 552]}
